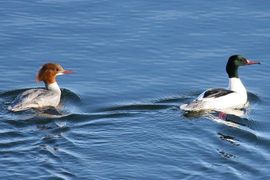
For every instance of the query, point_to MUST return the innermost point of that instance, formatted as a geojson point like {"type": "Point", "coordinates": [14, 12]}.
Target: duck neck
{"type": "Point", "coordinates": [53, 87]}
{"type": "Point", "coordinates": [235, 84]}
{"type": "Point", "coordinates": [232, 70]}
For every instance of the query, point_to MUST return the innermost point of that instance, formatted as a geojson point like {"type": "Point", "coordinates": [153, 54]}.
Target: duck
{"type": "Point", "coordinates": [217, 99]}
{"type": "Point", "coordinates": [38, 98]}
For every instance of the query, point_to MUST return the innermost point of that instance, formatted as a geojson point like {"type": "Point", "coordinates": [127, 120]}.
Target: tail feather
{"type": "Point", "coordinates": [15, 108]}
{"type": "Point", "coordinates": [193, 106]}
{"type": "Point", "coordinates": [19, 107]}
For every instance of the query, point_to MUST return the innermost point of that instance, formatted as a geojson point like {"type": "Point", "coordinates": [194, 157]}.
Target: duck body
{"type": "Point", "coordinates": [234, 97]}
{"type": "Point", "coordinates": [40, 98]}
{"type": "Point", "coordinates": [36, 98]}
{"type": "Point", "coordinates": [218, 98]}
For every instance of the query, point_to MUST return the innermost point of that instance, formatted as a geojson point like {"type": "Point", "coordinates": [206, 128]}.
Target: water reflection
{"type": "Point", "coordinates": [226, 154]}
{"type": "Point", "coordinates": [238, 129]}
{"type": "Point", "coordinates": [230, 117]}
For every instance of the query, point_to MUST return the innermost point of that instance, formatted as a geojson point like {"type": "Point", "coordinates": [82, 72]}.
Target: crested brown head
{"type": "Point", "coordinates": [49, 71]}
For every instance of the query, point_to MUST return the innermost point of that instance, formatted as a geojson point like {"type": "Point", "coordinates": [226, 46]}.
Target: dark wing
{"type": "Point", "coordinates": [216, 93]}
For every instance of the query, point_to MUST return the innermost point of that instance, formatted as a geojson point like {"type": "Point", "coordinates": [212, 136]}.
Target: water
{"type": "Point", "coordinates": [135, 62]}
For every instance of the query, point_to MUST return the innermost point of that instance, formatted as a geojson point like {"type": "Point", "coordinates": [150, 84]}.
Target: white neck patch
{"type": "Point", "coordinates": [53, 87]}
{"type": "Point", "coordinates": [236, 85]}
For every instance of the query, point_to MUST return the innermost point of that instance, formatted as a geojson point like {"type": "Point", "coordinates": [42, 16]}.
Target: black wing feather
{"type": "Point", "coordinates": [216, 93]}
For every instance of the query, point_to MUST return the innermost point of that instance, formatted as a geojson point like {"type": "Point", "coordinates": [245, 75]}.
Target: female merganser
{"type": "Point", "coordinates": [235, 97]}
{"type": "Point", "coordinates": [38, 98]}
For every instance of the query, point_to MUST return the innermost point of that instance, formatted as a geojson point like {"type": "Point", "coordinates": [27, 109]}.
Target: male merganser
{"type": "Point", "coordinates": [39, 98]}
{"type": "Point", "coordinates": [235, 97]}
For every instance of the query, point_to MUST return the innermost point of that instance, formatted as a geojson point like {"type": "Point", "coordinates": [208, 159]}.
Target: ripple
{"type": "Point", "coordinates": [163, 103]}
{"type": "Point", "coordinates": [59, 133]}
{"type": "Point", "coordinates": [172, 99]}
{"type": "Point", "coordinates": [11, 141]}
{"type": "Point", "coordinates": [138, 107]}
{"type": "Point", "coordinates": [49, 150]}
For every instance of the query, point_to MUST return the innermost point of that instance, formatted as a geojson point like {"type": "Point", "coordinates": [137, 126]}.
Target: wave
{"type": "Point", "coordinates": [71, 108]}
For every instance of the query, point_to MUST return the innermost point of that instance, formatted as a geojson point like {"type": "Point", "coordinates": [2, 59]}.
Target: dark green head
{"type": "Point", "coordinates": [234, 62]}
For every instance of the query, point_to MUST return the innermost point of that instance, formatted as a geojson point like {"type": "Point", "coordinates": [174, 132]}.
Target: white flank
{"type": "Point", "coordinates": [235, 100]}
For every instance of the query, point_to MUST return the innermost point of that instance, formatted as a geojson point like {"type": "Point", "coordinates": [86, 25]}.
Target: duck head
{"type": "Point", "coordinates": [49, 71]}
{"type": "Point", "coordinates": [234, 62]}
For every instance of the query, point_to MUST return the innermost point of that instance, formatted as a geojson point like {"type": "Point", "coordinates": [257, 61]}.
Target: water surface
{"type": "Point", "coordinates": [135, 62]}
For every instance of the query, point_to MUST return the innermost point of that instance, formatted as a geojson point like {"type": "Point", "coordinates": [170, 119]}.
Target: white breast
{"type": "Point", "coordinates": [235, 84]}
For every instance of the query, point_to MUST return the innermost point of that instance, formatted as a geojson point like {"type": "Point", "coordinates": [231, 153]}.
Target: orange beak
{"type": "Point", "coordinates": [249, 62]}
{"type": "Point", "coordinates": [67, 72]}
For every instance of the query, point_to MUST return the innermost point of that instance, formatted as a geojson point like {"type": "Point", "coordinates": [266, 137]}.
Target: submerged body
{"type": "Point", "coordinates": [40, 98]}
{"type": "Point", "coordinates": [234, 97]}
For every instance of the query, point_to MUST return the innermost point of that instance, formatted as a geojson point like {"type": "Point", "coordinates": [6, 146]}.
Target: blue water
{"type": "Point", "coordinates": [135, 62]}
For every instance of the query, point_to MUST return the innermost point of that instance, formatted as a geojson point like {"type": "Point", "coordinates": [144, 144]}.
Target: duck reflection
{"type": "Point", "coordinates": [237, 128]}
{"type": "Point", "coordinates": [230, 117]}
